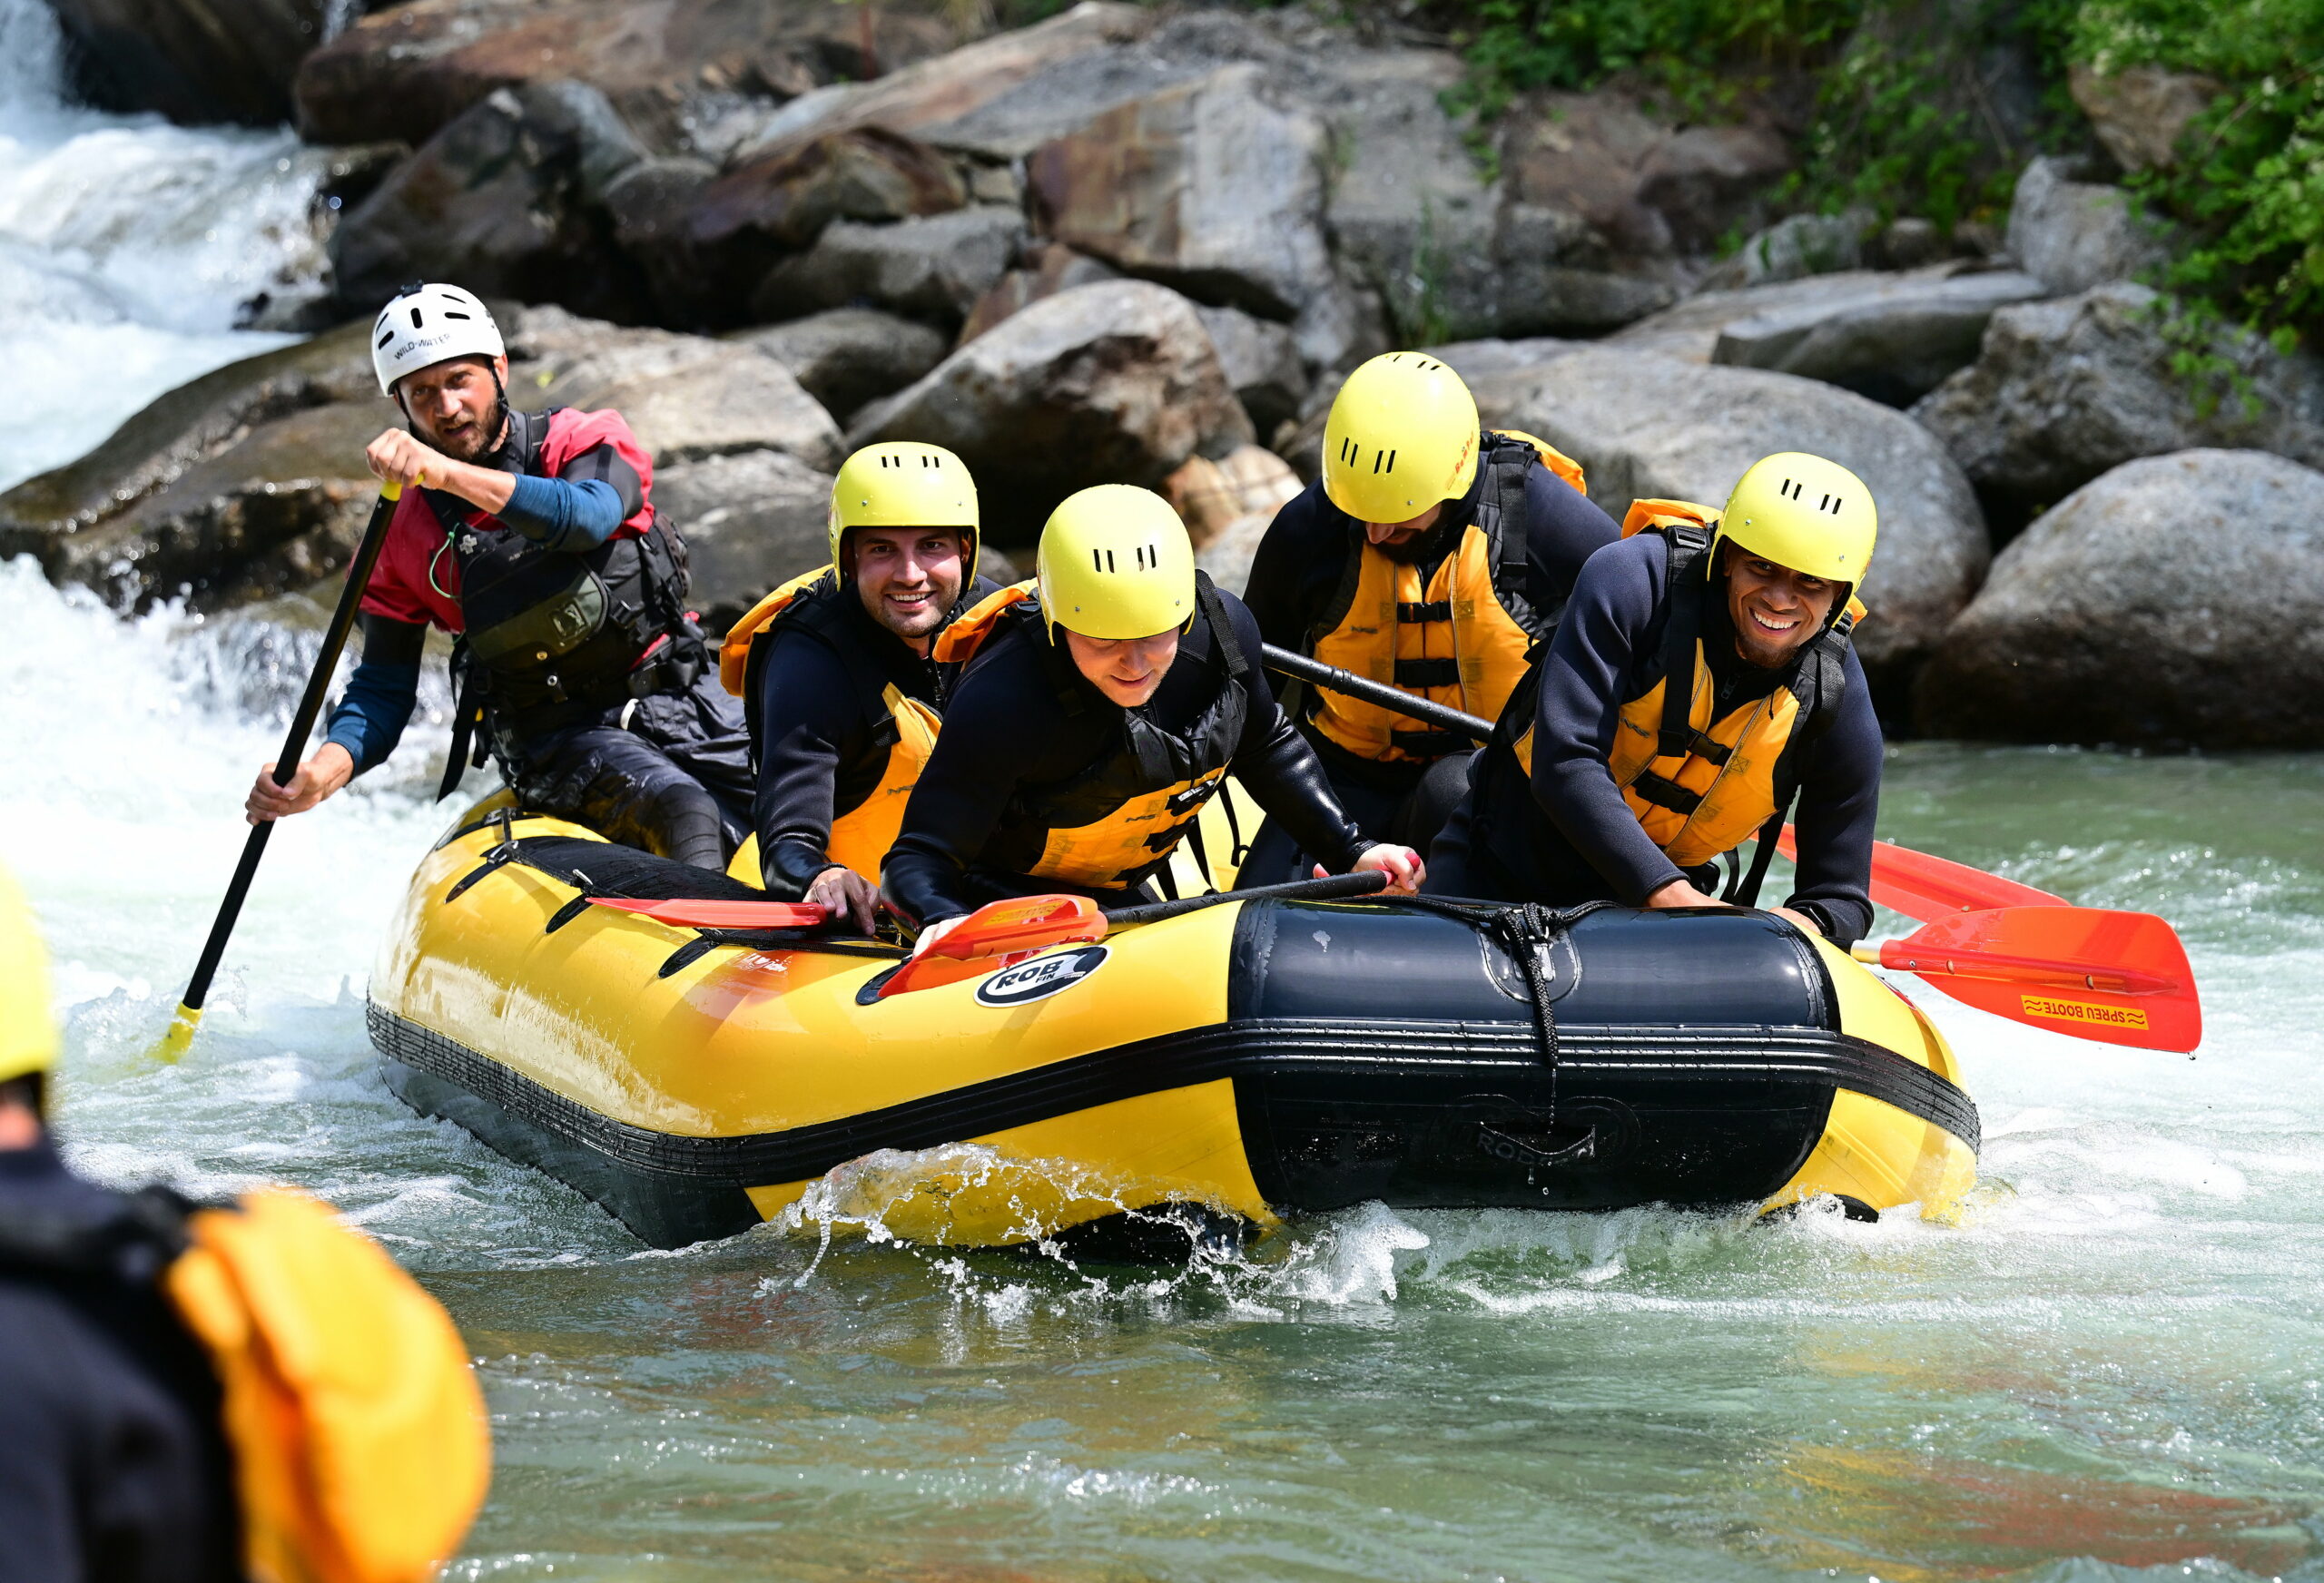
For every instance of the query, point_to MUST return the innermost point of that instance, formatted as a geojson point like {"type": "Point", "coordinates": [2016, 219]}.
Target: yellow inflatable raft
{"type": "Point", "coordinates": [1248, 1060]}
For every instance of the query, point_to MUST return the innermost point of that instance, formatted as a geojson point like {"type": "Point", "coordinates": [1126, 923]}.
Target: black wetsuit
{"type": "Point", "coordinates": [821, 753]}
{"type": "Point", "coordinates": [1575, 839]}
{"type": "Point", "coordinates": [113, 1464]}
{"type": "Point", "coordinates": [1296, 577]}
{"type": "Point", "coordinates": [1008, 730]}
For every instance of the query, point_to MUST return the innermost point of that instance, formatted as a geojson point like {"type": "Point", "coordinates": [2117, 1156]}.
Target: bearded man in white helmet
{"type": "Point", "coordinates": [531, 537]}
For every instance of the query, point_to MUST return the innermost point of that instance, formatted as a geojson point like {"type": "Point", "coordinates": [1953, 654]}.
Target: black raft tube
{"type": "Point", "coordinates": [180, 1033]}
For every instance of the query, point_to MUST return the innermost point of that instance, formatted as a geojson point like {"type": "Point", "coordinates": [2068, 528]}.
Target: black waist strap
{"type": "Point", "coordinates": [1431, 745]}
{"type": "Point", "coordinates": [1664, 793]}
{"type": "Point", "coordinates": [1428, 610]}
{"type": "Point", "coordinates": [1435, 673]}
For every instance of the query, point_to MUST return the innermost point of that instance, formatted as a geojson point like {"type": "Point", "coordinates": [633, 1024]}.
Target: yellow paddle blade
{"type": "Point", "coordinates": [178, 1037]}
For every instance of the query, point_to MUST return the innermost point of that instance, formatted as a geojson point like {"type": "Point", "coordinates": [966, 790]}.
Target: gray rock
{"type": "Point", "coordinates": [2065, 390]}
{"type": "Point", "coordinates": [846, 357]}
{"type": "Point", "coordinates": [250, 481]}
{"type": "Point", "coordinates": [1796, 248]}
{"type": "Point", "coordinates": [1893, 339]}
{"type": "Point", "coordinates": [933, 268]}
{"type": "Point", "coordinates": [2177, 601]}
{"type": "Point", "coordinates": [1647, 427]}
{"type": "Point", "coordinates": [509, 201]}
{"type": "Point", "coordinates": [1205, 187]}
{"type": "Point", "coordinates": [1481, 359]}
{"type": "Point", "coordinates": [1262, 363]}
{"type": "Point", "coordinates": [1116, 383]}
{"type": "Point", "coordinates": [194, 61]}
{"type": "Point", "coordinates": [751, 519]}
{"type": "Point", "coordinates": [2078, 234]}
{"type": "Point", "coordinates": [1043, 269]}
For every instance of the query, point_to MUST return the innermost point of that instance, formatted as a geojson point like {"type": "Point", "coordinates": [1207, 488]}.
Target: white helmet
{"type": "Point", "coordinates": [427, 324]}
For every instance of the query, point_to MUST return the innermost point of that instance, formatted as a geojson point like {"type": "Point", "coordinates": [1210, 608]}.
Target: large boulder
{"type": "Point", "coordinates": [847, 356]}
{"type": "Point", "coordinates": [1116, 383]}
{"type": "Point", "coordinates": [193, 61]}
{"type": "Point", "coordinates": [509, 201]}
{"type": "Point", "coordinates": [1043, 269]}
{"type": "Point", "coordinates": [1648, 426]}
{"type": "Point", "coordinates": [670, 68]}
{"type": "Point", "coordinates": [1891, 337]}
{"type": "Point", "coordinates": [1262, 363]}
{"type": "Point", "coordinates": [2063, 392]}
{"type": "Point", "coordinates": [2178, 601]}
{"type": "Point", "coordinates": [2076, 234]}
{"type": "Point", "coordinates": [250, 481]}
{"type": "Point", "coordinates": [934, 268]}
{"type": "Point", "coordinates": [751, 520]}
{"type": "Point", "coordinates": [1205, 187]}
{"type": "Point", "coordinates": [2141, 113]}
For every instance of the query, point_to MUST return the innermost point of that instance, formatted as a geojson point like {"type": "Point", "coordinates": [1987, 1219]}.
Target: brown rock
{"type": "Point", "coordinates": [193, 61]}
{"type": "Point", "coordinates": [1047, 269]}
{"type": "Point", "coordinates": [1210, 496]}
{"type": "Point", "coordinates": [2141, 113]}
{"type": "Point", "coordinates": [408, 71]}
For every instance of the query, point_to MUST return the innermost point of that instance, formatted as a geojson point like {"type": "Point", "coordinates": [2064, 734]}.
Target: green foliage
{"type": "Point", "coordinates": [1907, 121]}
{"type": "Point", "coordinates": [1516, 44]}
{"type": "Point", "coordinates": [2247, 190]}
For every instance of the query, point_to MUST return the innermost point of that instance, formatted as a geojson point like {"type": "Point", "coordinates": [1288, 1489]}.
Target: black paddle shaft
{"type": "Point", "coordinates": [1332, 887]}
{"type": "Point", "coordinates": [1333, 678]}
{"type": "Point", "coordinates": [303, 724]}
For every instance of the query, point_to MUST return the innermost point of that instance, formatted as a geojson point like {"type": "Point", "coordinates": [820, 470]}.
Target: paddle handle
{"type": "Point", "coordinates": [294, 741]}
{"type": "Point", "coordinates": [1336, 680]}
{"type": "Point", "coordinates": [1331, 887]}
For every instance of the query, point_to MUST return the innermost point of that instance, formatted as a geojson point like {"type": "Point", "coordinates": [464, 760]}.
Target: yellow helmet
{"type": "Point", "coordinates": [1401, 436]}
{"type": "Point", "coordinates": [905, 484]}
{"type": "Point", "coordinates": [28, 1032]}
{"type": "Point", "coordinates": [1115, 562]}
{"type": "Point", "coordinates": [1803, 512]}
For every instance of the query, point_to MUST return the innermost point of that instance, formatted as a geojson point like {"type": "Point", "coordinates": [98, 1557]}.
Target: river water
{"type": "Point", "coordinates": [2114, 1367]}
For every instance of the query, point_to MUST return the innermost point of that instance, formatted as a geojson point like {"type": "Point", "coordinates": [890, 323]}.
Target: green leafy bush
{"type": "Point", "coordinates": [1516, 45]}
{"type": "Point", "coordinates": [2247, 189]}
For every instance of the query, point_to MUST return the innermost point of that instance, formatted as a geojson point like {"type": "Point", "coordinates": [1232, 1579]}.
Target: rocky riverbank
{"type": "Point", "coordinates": [1143, 243]}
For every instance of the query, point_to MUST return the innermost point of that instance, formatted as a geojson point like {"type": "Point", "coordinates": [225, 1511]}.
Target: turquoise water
{"type": "Point", "coordinates": [2114, 1367]}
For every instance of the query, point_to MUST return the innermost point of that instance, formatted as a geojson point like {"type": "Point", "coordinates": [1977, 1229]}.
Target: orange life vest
{"type": "Point", "coordinates": [361, 1450]}
{"type": "Point", "coordinates": [862, 834]}
{"type": "Point", "coordinates": [1463, 639]}
{"type": "Point", "coordinates": [1701, 787]}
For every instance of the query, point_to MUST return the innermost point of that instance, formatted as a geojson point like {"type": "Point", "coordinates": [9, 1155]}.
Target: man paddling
{"type": "Point", "coordinates": [1106, 702]}
{"type": "Point", "coordinates": [1433, 554]}
{"type": "Point", "coordinates": [533, 538]}
{"type": "Point", "coordinates": [843, 694]}
{"type": "Point", "coordinates": [1702, 677]}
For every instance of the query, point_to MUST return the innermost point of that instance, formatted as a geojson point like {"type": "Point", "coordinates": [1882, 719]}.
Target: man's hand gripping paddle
{"type": "Point", "coordinates": [179, 1035]}
{"type": "Point", "coordinates": [2114, 978]}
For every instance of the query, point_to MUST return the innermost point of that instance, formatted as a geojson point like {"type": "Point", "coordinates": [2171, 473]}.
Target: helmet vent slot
{"type": "Point", "coordinates": [415, 317]}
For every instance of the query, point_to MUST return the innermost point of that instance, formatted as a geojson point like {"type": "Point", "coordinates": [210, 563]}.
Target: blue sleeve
{"type": "Point", "coordinates": [1564, 528]}
{"type": "Point", "coordinates": [564, 513]}
{"type": "Point", "coordinates": [1608, 623]}
{"type": "Point", "coordinates": [373, 712]}
{"type": "Point", "coordinates": [1839, 797]}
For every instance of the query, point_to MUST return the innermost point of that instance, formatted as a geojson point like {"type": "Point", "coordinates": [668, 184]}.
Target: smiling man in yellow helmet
{"type": "Point", "coordinates": [1433, 554]}
{"type": "Point", "coordinates": [1107, 702]}
{"type": "Point", "coordinates": [1702, 678]}
{"type": "Point", "coordinates": [150, 1428]}
{"type": "Point", "coordinates": [842, 692]}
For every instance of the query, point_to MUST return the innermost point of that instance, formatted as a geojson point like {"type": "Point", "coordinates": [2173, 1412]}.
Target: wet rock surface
{"type": "Point", "coordinates": [2170, 603]}
{"type": "Point", "coordinates": [193, 61]}
{"type": "Point", "coordinates": [1648, 427]}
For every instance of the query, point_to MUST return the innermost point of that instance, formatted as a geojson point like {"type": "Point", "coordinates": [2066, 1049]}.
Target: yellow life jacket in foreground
{"type": "Point", "coordinates": [1463, 639]}
{"type": "Point", "coordinates": [1116, 823]}
{"type": "Point", "coordinates": [1701, 787]}
{"type": "Point", "coordinates": [862, 834]}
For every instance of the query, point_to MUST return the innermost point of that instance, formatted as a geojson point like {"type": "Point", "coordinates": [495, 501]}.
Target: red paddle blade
{"type": "Point", "coordinates": [697, 914]}
{"type": "Point", "coordinates": [999, 929]}
{"type": "Point", "coordinates": [1920, 886]}
{"type": "Point", "coordinates": [2116, 978]}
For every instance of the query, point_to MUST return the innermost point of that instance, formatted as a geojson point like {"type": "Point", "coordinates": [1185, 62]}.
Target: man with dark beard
{"type": "Point", "coordinates": [532, 537]}
{"type": "Point", "coordinates": [1432, 554]}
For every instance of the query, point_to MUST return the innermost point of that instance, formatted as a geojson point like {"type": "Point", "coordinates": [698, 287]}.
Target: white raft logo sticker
{"type": "Point", "coordinates": [1040, 977]}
